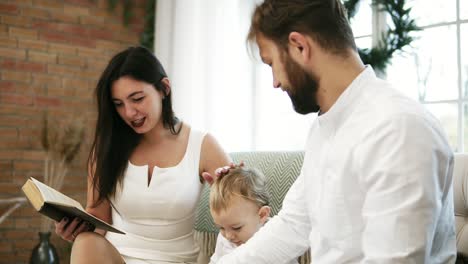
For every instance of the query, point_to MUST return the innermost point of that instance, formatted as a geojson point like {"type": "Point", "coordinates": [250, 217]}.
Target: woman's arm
{"type": "Point", "coordinates": [68, 229]}
{"type": "Point", "coordinates": [101, 210]}
{"type": "Point", "coordinates": [212, 156]}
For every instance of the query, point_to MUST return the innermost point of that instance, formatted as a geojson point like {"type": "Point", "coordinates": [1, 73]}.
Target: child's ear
{"type": "Point", "coordinates": [264, 213]}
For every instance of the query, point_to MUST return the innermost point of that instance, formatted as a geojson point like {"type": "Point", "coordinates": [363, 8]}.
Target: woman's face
{"type": "Point", "coordinates": [138, 103]}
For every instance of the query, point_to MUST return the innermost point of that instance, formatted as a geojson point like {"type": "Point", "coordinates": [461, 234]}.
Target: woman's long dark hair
{"type": "Point", "coordinates": [114, 140]}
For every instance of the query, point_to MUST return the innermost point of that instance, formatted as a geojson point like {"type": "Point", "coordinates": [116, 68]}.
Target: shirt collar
{"type": "Point", "coordinates": [340, 110]}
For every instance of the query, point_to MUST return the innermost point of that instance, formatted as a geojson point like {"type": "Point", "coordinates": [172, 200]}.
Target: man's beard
{"type": "Point", "coordinates": [303, 90]}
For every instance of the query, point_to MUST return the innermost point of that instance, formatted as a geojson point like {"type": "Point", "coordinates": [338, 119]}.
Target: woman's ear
{"type": "Point", "coordinates": [167, 86]}
{"type": "Point", "coordinates": [264, 213]}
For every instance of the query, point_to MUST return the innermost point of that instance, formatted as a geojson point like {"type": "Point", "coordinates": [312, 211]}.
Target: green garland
{"type": "Point", "coordinates": [394, 39]}
{"type": "Point", "coordinates": [147, 36]}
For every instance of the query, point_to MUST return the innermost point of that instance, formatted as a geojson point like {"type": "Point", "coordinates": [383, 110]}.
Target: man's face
{"type": "Point", "coordinates": [290, 77]}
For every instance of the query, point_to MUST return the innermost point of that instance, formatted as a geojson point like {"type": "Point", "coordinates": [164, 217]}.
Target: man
{"type": "Point", "coordinates": [376, 183]}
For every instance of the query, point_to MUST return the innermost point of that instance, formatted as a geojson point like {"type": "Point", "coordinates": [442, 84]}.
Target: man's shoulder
{"type": "Point", "coordinates": [385, 109]}
{"type": "Point", "coordinates": [382, 102]}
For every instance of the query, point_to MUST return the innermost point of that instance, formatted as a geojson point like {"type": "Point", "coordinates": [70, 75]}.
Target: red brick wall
{"type": "Point", "coordinates": [51, 54]}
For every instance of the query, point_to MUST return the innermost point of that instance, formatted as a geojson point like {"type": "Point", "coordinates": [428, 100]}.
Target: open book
{"type": "Point", "coordinates": [57, 205]}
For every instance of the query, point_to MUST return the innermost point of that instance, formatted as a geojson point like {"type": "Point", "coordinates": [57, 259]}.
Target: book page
{"type": "Point", "coordinates": [52, 195]}
{"type": "Point", "coordinates": [55, 205]}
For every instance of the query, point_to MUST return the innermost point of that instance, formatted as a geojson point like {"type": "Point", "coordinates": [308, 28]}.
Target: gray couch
{"type": "Point", "coordinates": [460, 193]}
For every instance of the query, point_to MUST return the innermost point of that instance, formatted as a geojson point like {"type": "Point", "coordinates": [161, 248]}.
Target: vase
{"type": "Point", "coordinates": [44, 252]}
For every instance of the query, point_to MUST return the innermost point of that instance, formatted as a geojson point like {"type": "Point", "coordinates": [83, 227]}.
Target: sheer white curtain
{"type": "Point", "coordinates": [217, 85]}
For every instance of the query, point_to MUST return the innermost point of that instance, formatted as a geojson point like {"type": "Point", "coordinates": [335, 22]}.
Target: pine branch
{"type": "Point", "coordinates": [394, 39]}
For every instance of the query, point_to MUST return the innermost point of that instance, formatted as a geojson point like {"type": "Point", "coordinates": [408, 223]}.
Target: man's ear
{"type": "Point", "coordinates": [264, 213]}
{"type": "Point", "coordinates": [299, 47]}
{"type": "Point", "coordinates": [167, 86]}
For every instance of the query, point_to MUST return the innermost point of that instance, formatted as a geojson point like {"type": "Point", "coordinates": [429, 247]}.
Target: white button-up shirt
{"type": "Point", "coordinates": [375, 187]}
{"type": "Point", "coordinates": [224, 247]}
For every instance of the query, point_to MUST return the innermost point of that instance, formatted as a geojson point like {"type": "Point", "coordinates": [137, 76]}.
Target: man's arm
{"type": "Point", "coordinates": [405, 167]}
{"type": "Point", "coordinates": [282, 238]}
{"type": "Point", "coordinates": [220, 249]}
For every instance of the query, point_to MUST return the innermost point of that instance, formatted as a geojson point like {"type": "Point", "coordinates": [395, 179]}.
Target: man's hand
{"type": "Point", "coordinates": [220, 172]}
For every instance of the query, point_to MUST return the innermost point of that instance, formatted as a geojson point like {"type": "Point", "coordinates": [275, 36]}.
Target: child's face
{"type": "Point", "coordinates": [240, 220]}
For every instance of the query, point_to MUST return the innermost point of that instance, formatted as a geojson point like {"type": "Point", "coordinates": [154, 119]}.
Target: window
{"type": "Point", "coordinates": [435, 70]}
{"type": "Point", "coordinates": [215, 88]}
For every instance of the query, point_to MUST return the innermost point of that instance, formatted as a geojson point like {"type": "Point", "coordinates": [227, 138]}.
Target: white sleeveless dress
{"type": "Point", "coordinates": [158, 219]}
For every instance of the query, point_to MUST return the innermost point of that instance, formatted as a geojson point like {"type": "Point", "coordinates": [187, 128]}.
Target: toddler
{"type": "Point", "coordinates": [239, 207]}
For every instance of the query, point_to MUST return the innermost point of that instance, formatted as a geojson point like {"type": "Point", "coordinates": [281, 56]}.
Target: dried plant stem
{"type": "Point", "coordinates": [54, 175]}
{"type": "Point", "coordinates": [46, 223]}
{"type": "Point", "coordinates": [10, 210]}
{"type": "Point", "coordinates": [60, 172]}
{"type": "Point", "coordinates": [46, 169]}
{"type": "Point", "coordinates": [61, 140]}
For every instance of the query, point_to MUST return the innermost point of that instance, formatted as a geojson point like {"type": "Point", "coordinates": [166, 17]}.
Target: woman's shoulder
{"type": "Point", "coordinates": [210, 143]}
{"type": "Point", "coordinates": [213, 155]}
{"type": "Point", "coordinates": [193, 131]}
{"type": "Point", "coordinates": [204, 136]}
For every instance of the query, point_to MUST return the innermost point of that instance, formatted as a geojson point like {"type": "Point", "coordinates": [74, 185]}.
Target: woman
{"type": "Point", "coordinates": [145, 169]}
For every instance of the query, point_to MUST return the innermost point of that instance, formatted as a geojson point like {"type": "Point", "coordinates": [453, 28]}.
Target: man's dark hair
{"type": "Point", "coordinates": [325, 21]}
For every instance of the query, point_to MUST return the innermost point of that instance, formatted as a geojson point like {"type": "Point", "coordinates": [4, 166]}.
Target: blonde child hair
{"type": "Point", "coordinates": [247, 183]}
